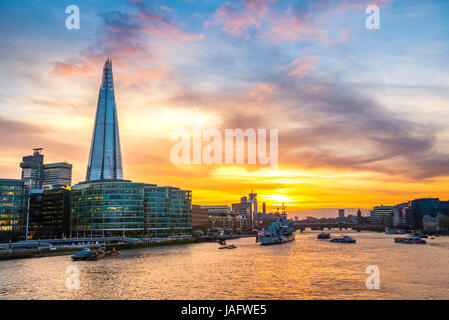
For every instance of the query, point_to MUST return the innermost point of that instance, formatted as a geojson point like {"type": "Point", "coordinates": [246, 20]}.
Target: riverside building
{"type": "Point", "coordinates": [106, 204]}
{"type": "Point", "coordinates": [12, 209]}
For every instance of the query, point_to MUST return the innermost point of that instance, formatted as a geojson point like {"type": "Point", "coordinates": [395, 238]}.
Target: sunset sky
{"type": "Point", "coordinates": [363, 115]}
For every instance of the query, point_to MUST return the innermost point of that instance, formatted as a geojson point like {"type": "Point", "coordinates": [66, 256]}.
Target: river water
{"type": "Point", "coordinates": [307, 268]}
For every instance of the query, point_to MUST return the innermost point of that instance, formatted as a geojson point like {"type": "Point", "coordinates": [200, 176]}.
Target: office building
{"type": "Point", "coordinates": [221, 217]}
{"type": "Point", "coordinates": [38, 175]}
{"type": "Point", "coordinates": [200, 216]}
{"type": "Point", "coordinates": [12, 209]}
{"type": "Point", "coordinates": [245, 210]}
{"type": "Point", "coordinates": [55, 214]}
{"type": "Point", "coordinates": [33, 169]}
{"type": "Point", "coordinates": [107, 205]}
{"type": "Point", "coordinates": [382, 215]}
{"type": "Point", "coordinates": [34, 217]}
{"type": "Point", "coordinates": [424, 213]}
{"type": "Point", "coordinates": [57, 175]}
{"type": "Point", "coordinates": [105, 159]}
{"type": "Point", "coordinates": [168, 212]}
{"type": "Point", "coordinates": [108, 208]}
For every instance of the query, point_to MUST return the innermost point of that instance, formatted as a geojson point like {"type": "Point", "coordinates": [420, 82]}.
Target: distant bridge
{"type": "Point", "coordinates": [354, 226]}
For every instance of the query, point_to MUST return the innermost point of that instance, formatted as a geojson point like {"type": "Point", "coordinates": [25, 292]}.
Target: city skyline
{"type": "Point", "coordinates": [349, 135]}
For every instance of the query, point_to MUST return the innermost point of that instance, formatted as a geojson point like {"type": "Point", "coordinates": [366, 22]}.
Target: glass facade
{"type": "Point", "coordinates": [168, 212]}
{"type": "Point", "coordinates": [108, 208]}
{"type": "Point", "coordinates": [55, 213]}
{"type": "Point", "coordinates": [105, 160]}
{"type": "Point", "coordinates": [12, 209]}
{"type": "Point", "coordinates": [382, 215]}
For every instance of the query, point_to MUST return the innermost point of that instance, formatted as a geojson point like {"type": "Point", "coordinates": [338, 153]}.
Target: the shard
{"type": "Point", "coordinates": [105, 159]}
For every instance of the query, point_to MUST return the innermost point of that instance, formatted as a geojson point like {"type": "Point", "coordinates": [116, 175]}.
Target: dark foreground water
{"type": "Point", "coordinates": [304, 269]}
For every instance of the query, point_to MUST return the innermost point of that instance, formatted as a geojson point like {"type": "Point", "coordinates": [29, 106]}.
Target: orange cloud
{"type": "Point", "coordinates": [65, 69]}
{"type": "Point", "coordinates": [262, 91]}
{"type": "Point", "coordinates": [237, 17]}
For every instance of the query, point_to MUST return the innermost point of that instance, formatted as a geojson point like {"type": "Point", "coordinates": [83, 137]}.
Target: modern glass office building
{"type": "Point", "coordinates": [12, 209]}
{"type": "Point", "coordinates": [168, 211]}
{"type": "Point", "coordinates": [105, 159]}
{"type": "Point", "coordinates": [107, 208]}
{"type": "Point", "coordinates": [107, 205]}
{"type": "Point", "coordinates": [55, 213]}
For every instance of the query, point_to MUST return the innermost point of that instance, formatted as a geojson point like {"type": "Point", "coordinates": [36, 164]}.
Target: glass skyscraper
{"type": "Point", "coordinates": [105, 159]}
{"type": "Point", "coordinates": [106, 204]}
{"type": "Point", "coordinates": [12, 209]}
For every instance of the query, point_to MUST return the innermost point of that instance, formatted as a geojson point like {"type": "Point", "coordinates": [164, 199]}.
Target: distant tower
{"type": "Point", "coordinates": [105, 159]}
{"type": "Point", "coordinates": [359, 215]}
{"type": "Point", "coordinates": [341, 213]}
{"type": "Point", "coordinates": [33, 169]}
{"type": "Point", "coordinates": [264, 208]}
{"type": "Point", "coordinates": [253, 200]}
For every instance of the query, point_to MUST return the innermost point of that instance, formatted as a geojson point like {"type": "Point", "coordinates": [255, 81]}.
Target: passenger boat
{"type": "Point", "coordinates": [279, 231]}
{"type": "Point", "coordinates": [343, 239]}
{"type": "Point", "coordinates": [93, 255]}
{"type": "Point", "coordinates": [421, 235]}
{"type": "Point", "coordinates": [410, 239]}
{"type": "Point", "coordinates": [395, 231]}
{"type": "Point", "coordinates": [231, 246]}
{"type": "Point", "coordinates": [323, 235]}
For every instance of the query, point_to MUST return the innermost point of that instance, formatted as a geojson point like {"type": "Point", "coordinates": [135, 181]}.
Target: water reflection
{"type": "Point", "coordinates": [307, 268]}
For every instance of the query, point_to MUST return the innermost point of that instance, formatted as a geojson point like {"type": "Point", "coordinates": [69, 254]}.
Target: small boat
{"type": "Point", "coordinates": [323, 235]}
{"type": "Point", "coordinates": [93, 255]}
{"type": "Point", "coordinates": [420, 235]}
{"type": "Point", "coordinates": [85, 254]}
{"type": "Point", "coordinates": [395, 231]}
{"type": "Point", "coordinates": [231, 246]}
{"type": "Point", "coordinates": [343, 239]}
{"type": "Point", "coordinates": [410, 239]}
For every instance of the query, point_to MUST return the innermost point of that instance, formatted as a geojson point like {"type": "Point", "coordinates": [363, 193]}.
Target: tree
{"type": "Point", "coordinates": [444, 223]}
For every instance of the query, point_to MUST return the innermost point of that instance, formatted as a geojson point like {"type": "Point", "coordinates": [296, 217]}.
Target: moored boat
{"type": "Point", "coordinates": [410, 239]}
{"type": "Point", "coordinates": [421, 235]}
{"type": "Point", "coordinates": [279, 231]}
{"type": "Point", "coordinates": [93, 255]}
{"type": "Point", "coordinates": [393, 231]}
{"type": "Point", "coordinates": [343, 239]}
{"type": "Point", "coordinates": [231, 246]}
{"type": "Point", "coordinates": [323, 235]}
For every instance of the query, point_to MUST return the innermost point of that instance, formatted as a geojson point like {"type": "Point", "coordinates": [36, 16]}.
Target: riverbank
{"type": "Point", "coordinates": [66, 250]}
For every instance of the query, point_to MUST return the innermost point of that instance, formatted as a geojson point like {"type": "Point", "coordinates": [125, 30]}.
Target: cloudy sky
{"type": "Point", "coordinates": [362, 114]}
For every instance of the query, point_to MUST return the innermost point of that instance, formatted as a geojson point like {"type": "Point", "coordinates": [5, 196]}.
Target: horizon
{"type": "Point", "coordinates": [349, 136]}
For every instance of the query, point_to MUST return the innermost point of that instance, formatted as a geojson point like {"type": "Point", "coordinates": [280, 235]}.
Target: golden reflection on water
{"type": "Point", "coordinates": [303, 269]}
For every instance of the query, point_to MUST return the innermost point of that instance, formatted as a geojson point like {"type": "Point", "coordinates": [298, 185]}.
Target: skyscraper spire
{"type": "Point", "coordinates": [105, 159]}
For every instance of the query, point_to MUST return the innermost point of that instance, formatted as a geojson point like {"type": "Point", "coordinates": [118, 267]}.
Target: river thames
{"type": "Point", "coordinates": [307, 268]}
